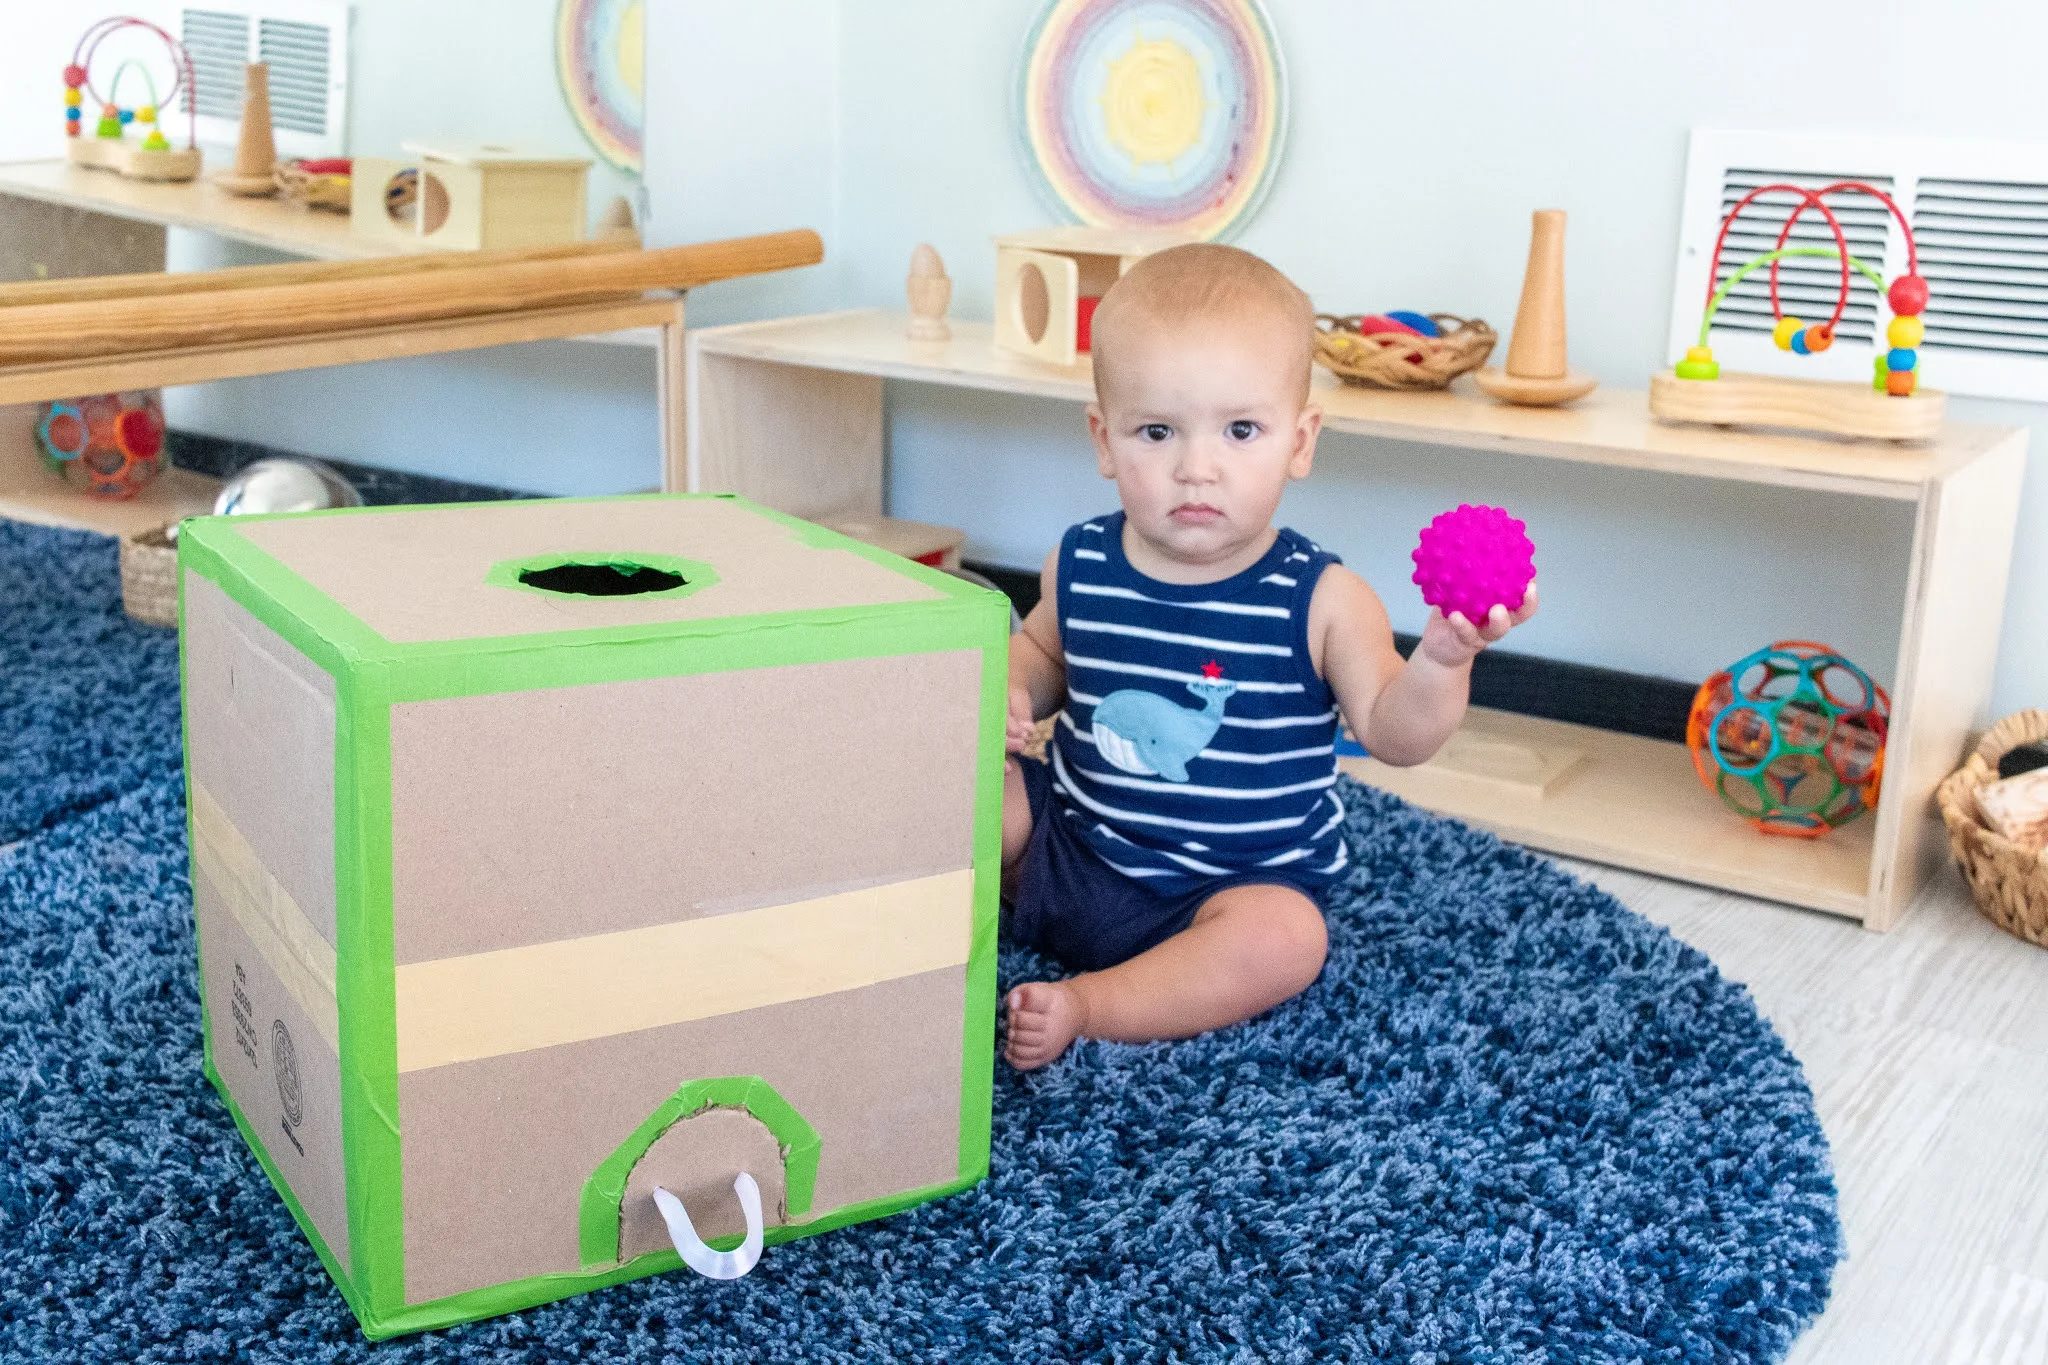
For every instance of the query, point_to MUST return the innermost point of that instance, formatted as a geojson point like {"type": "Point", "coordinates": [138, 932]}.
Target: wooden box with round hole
{"type": "Point", "coordinates": [468, 197]}
{"type": "Point", "coordinates": [549, 854]}
{"type": "Point", "coordinates": [1048, 282]}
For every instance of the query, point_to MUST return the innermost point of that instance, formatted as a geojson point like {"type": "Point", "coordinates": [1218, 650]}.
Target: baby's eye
{"type": "Point", "coordinates": [1243, 429]}
{"type": "Point", "coordinates": [1155, 431]}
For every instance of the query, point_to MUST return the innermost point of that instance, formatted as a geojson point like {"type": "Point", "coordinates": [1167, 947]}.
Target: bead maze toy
{"type": "Point", "coordinates": [1472, 559]}
{"type": "Point", "coordinates": [1791, 737]}
{"type": "Point", "coordinates": [109, 147]}
{"type": "Point", "coordinates": [1893, 407]}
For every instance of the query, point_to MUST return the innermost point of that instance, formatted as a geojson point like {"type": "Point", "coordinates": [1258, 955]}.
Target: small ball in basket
{"type": "Point", "coordinates": [1388, 352]}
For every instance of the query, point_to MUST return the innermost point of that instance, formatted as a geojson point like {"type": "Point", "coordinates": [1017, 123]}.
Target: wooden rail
{"type": "Point", "coordinates": [31, 333]}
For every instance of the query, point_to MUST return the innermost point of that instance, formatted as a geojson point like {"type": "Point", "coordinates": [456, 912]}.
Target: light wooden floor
{"type": "Point", "coordinates": [1927, 1051]}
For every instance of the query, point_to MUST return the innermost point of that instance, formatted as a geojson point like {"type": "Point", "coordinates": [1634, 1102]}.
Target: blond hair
{"type": "Point", "coordinates": [1200, 282]}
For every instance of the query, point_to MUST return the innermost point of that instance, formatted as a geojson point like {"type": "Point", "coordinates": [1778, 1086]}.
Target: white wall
{"type": "Point", "coordinates": [1496, 108]}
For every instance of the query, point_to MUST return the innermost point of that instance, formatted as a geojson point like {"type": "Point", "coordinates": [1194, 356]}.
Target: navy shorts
{"type": "Point", "coordinates": [1073, 906]}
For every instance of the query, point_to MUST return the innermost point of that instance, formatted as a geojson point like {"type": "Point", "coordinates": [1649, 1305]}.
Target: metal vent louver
{"type": "Point", "coordinates": [297, 54]}
{"type": "Point", "coordinates": [218, 42]}
{"type": "Point", "coordinates": [1984, 251]}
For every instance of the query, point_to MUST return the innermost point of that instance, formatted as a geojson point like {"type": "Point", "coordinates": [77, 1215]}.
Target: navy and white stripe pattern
{"type": "Point", "coordinates": [1197, 741]}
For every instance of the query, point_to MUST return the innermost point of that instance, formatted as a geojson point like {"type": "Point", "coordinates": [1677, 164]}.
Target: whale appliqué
{"type": "Point", "coordinates": [1144, 733]}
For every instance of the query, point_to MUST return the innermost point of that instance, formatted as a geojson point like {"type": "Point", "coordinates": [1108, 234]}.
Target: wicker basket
{"type": "Point", "coordinates": [316, 191]}
{"type": "Point", "coordinates": [1396, 360]}
{"type": "Point", "coordinates": [149, 577]}
{"type": "Point", "coordinates": [2009, 883]}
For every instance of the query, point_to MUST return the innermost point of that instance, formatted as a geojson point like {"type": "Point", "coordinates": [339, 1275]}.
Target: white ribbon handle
{"type": "Point", "coordinates": [716, 1265]}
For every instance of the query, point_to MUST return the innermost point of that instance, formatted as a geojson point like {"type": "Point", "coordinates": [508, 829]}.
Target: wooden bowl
{"type": "Point", "coordinates": [1396, 360]}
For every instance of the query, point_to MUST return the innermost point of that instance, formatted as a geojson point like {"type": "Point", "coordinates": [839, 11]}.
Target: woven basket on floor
{"type": "Point", "coordinates": [2010, 884]}
{"type": "Point", "coordinates": [1396, 360]}
{"type": "Point", "coordinates": [149, 577]}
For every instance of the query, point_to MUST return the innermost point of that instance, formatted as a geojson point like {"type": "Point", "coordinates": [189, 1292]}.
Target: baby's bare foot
{"type": "Point", "coordinates": [1045, 1018]}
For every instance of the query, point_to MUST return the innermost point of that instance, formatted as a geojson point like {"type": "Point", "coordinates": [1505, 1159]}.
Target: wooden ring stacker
{"type": "Point", "coordinates": [1536, 374]}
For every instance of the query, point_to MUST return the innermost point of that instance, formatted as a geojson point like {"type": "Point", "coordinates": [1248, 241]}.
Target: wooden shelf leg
{"type": "Point", "coordinates": [670, 387]}
{"type": "Point", "coordinates": [1948, 649]}
{"type": "Point", "coordinates": [800, 440]}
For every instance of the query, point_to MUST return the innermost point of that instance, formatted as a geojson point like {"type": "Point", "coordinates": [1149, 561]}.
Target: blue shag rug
{"type": "Point", "coordinates": [1513, 1121]}
{"type": "Point", "coordinates": [88, 698]}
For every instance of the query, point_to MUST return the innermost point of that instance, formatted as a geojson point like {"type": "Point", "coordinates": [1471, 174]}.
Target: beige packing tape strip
{"type": "Point", "coordinates": [302, 960]}
{"type": "Point", "coordinates": [460, 1009]}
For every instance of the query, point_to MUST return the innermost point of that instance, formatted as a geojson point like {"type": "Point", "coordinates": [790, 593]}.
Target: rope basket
{"type": "Point", "coordinates": [1396, 360]}
{"type": "Point", "coordinates": [2010, 884]}
{"type": "Point", "coordinates": [149, 577]}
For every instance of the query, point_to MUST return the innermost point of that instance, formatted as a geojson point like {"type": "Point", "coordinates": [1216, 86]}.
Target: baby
{"type": "Point", "coordinates": [1173, 848]}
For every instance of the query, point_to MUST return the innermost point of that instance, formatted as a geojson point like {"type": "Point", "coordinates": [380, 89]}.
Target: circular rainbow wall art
{"type": "Point", "coordinates": [1154, 113]}
{"type": "Point", "coordinates": [600, 48]}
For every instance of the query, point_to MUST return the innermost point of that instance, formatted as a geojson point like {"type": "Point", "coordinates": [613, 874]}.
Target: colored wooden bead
{"type": "Point", "coordinates": [1798, 346]}
{"type": "Point", "coordinates": [126, 116]}
{"type": "Point", "coordinates": [1901, 358]}
{"type": "Point", "coordinates": [1879, 372]}
{"type": "Point", "coordinates": [1699, 363]}
{"type": "Point", "coordinates": [1787, 328]}
{"type": "Point", "coordinates": [1819, 337]}
{"type": "Point", "coordinates": [73, 97]}
{"type": "Point", "coordinates": [112, 111]}
{"type": "Point", "coordinates": [1905, 330]}
{"type": "Point", "coordinates": [1899, 382]}
{"type": "Point", "coordinates": [156, 141]}
{"type": "Point", "coordinates": [74, 115]}
{"type": "Point", "coordinates": [146, 114]}
{"type": "Point", "coordinates": [74, 75]}
{"type": "Point", "coordinates": [1908, 295]}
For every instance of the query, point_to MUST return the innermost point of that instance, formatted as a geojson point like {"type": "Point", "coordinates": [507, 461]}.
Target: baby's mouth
{"type": "Point", "coordinates": [1196, 514]}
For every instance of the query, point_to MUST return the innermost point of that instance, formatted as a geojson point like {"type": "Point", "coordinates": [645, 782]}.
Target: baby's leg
{"type": "Point", "coordinates": [1249, 948]}
{"type": "Point", "coordinates": [1016, 821]}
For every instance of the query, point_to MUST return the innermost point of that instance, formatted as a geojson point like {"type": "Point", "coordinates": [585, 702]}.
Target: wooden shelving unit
{"type": "Point", "coordinates": [790, 412]}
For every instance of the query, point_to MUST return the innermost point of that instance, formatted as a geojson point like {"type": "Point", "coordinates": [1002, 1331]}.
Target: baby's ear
{"type": "Point", "coordinates": [1098, 431]}
{"type": "Point", "coordinates": [1307, 427]}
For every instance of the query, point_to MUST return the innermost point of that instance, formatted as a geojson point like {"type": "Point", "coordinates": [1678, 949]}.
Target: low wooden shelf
{"type": "Point", "coordinates": [790, 412]}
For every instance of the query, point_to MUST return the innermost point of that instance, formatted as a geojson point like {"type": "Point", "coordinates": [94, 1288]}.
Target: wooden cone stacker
{"type": "Point", "coordinates": [1536, 373]}
{"type": "Point", "coordinates": [255, 148]}
{"type": "Point", "coordinates": [340, 297]}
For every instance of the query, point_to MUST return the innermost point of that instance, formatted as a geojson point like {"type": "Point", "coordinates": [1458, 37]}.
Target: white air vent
{"type": "Point", "coordinates": [1979, 212]}
{"type": "Point", "coordinates": [306, 44]}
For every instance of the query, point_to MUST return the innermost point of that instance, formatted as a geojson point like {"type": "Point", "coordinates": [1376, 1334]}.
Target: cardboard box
{"type": "Point", "coordinates": [515, 901]}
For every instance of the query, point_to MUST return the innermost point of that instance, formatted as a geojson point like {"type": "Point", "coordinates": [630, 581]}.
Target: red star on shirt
{"type": "Point", "coordinates": [1212, 670]}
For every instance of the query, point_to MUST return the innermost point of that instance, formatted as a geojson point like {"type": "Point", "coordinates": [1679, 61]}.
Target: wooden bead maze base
{"type": "Point", "coordinates": [1840, 408]}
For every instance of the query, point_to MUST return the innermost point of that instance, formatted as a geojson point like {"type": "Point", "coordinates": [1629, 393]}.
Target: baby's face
{"type": "Point", "coordinates": [1202, 427]}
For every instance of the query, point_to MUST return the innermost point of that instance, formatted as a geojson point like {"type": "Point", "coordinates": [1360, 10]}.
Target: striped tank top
{"type": "Point", "coordinates": [1197, 741]}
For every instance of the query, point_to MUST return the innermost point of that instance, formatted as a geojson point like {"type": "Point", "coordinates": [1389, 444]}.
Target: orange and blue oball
{"type": "Point", "coordinates": [1901, 358]}
{"type": "Point", "coordinates": [1699, 363]}
{"type": "Point", "coordinates": [1791, 738]}
{"type": "Point", "coordinates": [1899, 383]}
{"type": "Point", "coordinates": [1819, 337]}
{"type": "Point", "coordinates": [74, 75]}
{"type": "Point", "coordinates": [1787, 328]}
{"type": "Point", "coordinates": [1906, 331]}
{"type": "Point", "coordinates": [1908, 295]}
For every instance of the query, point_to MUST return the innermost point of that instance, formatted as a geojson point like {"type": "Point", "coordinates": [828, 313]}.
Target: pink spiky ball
{"type": "Point", "coordinates": [1472, 558]}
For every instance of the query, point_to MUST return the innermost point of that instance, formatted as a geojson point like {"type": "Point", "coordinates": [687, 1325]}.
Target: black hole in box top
{"type": "Point", "coordinates": [601, 580]}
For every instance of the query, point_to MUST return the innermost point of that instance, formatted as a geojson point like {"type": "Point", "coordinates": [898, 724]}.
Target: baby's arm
{"type": "Point", "coordinates": [1038, 670]}
{"type": "Point", "coordinates": [1402, 712]}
